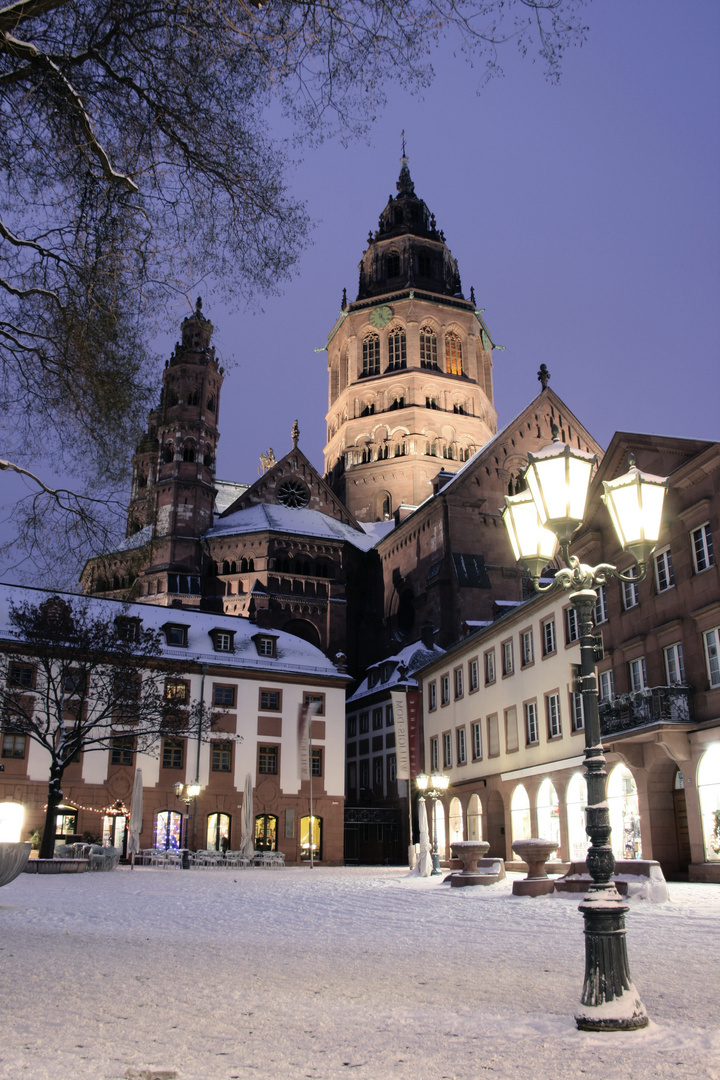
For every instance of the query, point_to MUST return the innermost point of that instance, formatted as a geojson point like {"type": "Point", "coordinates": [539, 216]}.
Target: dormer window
{"type": "Point", "coordinates": [223, 640]}
{"type": "Point", "coordinates": [373, 677]}
{"type": "Point", "coordinates": [176, 635]}
{"type": "Point", "coordinates": [266, 644]}
{"type": "Point", "coordinates": [128, 629]}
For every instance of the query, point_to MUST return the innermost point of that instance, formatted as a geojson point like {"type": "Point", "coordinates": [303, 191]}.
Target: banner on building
{"type": "Point", "coordinates": [402, 736]}
{"type": "Point", "coordinates": [412, 700]}
{"type": "Point", "coordinates": [406, 713]}
{"type": "Point", "coordinates": [305, 719]}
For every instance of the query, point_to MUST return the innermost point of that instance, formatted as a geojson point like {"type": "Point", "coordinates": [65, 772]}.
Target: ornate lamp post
{"type": "Point", "coordinates": [551, 510]}
{"type": "Point", "coordinates": [434, 786]}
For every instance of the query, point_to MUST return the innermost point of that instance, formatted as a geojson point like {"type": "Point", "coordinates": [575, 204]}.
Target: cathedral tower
{"type": "Point", "coordinates": [410, 367]}
{"type": "Point", "coordinates": [173, 484]}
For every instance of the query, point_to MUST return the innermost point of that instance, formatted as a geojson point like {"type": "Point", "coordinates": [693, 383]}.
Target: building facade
{"type": "Point", "coordinates": [503, 717]}
{"type": "Point", "coordinates": [254, 683]}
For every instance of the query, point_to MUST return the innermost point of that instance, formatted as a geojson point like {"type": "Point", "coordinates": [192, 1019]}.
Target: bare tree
{"type": "Point", "coordinates": [136, 160]}
{"type": "Point", "coordinates": [75, 681]}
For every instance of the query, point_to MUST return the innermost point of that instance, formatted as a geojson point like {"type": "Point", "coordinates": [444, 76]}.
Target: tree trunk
{"type": "Point", "coordinates": [55, 796]}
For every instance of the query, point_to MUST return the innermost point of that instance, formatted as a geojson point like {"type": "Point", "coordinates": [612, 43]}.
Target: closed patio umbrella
{"type": "Point", "coordinates": [136, 811]}
{"type": "Point", "coordinates": [424, 862]}
{"type": "Point", "coordinates": [247, 842]}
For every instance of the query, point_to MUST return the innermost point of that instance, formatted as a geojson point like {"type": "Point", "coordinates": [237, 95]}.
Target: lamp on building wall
{"type": "Point", "coordinates": [434, 787]}
{"type": "Point", "coordinates": [548, 513]}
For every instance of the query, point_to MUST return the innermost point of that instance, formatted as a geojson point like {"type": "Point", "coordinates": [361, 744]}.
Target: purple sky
{"type": "Point", "coordinates": [586, 216]}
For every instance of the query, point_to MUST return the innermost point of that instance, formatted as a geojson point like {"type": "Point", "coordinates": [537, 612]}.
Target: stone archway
{"type": "Point", "coordinates": [495, 821]}
{"type": "Point", "coordinates": [303, 629]}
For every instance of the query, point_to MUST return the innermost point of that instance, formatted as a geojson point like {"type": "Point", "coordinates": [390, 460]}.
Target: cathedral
{"type": "Point", "coordinates": [402, 534]}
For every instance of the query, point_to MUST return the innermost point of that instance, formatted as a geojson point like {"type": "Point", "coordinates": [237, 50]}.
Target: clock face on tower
{"type": "Point", "coordinates": [381, 316]}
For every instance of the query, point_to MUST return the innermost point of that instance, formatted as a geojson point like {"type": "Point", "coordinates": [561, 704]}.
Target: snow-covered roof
{"type": "Point", "coordinates": [378, 530]}
{"type": "Point", "coordinates": [292, 653]}
{"type": "Point", "coordinates": [137, 540]}
{"type": "Point", "coordinates": [227, 492]}
{"type": "Point", "coordinates": [387, 672]}
{"type": "Point", "coordinates": [275, 518]}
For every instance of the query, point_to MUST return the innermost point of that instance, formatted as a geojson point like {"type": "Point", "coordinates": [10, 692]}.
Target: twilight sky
{"type": "Point", "coordinates": [586, 216]}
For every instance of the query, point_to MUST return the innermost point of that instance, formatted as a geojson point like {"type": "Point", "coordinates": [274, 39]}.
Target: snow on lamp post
{"type": "Point", "coordinates": [553, 507]}
{"type": "Point", "coordinates": [434, 786]}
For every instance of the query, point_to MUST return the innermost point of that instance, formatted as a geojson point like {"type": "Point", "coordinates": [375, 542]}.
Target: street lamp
{"type": "Point", "coordinates": [191, 791]}
{"type": "Point", "coordinates": [434, 786]}
{"type": "Point", "coordinates": [552, 508]}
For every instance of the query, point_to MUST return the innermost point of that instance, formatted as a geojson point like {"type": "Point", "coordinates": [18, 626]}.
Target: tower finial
{"type": "Point", "coordinates": [295, 435]}
{"type": "Point", "coordinates": [403, 142]}
{"type": "Point", "coordinates": [543, 376]}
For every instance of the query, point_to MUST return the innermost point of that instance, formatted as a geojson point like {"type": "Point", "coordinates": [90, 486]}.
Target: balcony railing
{"type": "Point", "coordinates": [655, 705]}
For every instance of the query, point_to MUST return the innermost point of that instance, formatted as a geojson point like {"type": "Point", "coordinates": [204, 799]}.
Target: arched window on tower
{"type": "Point", "coordinates": [428, 347]}
{"type": "Point", "coordinates": [211, 404]}
{"type": "Point", "coordinates": [392, 265]}
{"type": "Point", "coordinates": [371, 355]}
{"type": "Point", "coordinates": [193, 398]}
{"type": "Point", "coordinates": [453, 354]}
{"type": "Point", "coordinates": [397, 349]}
{"type": "Point", "coordinates": [168, 453]}
{"type": "Point", "coordinates": [188, 452]}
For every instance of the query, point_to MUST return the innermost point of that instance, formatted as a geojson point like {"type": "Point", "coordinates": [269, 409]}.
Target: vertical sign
{"type": "Point", "coordinates": [412, 702]}
{"type": "Point", "coordinates": [402, 741]}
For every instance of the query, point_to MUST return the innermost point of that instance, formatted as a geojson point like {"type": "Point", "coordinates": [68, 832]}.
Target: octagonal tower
{"type": "Point", "coordinates": [410, 367]}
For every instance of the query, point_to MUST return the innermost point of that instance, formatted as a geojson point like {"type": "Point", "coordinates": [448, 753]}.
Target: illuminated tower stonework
{"type": "Point", "coordinates": [410, 368]}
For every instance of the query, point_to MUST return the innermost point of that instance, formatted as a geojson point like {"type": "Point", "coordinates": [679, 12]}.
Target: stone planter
{"type": "Point", "coordinates": [13, 859]}
{"type": "Point", "coordinates": [468, 852]}
{"type": "Point", "coordinates": [535, 852]}
{"type": "Point", "coordinates": [57, 866]}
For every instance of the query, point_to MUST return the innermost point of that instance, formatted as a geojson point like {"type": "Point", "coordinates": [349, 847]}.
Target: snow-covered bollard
{"type": "Point", "coordinates": [535, 852]}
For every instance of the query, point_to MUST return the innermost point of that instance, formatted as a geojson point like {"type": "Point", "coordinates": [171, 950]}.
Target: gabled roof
{"type": "Point", "coordinates": [267, 490]}
{"type": "Point", "coordinates": [295, 521]}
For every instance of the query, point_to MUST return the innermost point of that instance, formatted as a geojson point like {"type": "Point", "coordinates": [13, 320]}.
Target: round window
{"type": "Point", "coordinates": [293, 493]}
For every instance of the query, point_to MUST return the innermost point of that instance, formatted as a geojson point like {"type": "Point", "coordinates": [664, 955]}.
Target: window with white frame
{"type": "Point", "coordinates": [606, 686]}
{"type": "Point", "coordinates": [572, 627]}
{"type": "Point", "coordinates": [434, 755]}
{"type": "Point", "coordinates": [507, 658]}
{"type": "Point", "coordinates": [531, 723]}
{"type": "Point", "coordinates": [461, 750]}
{"type": "Point", "coordinates": [702, 548]}
{"type": "Point", "coordinates": [473, 675]}
{"type": "Point", "coordinates": [490, 667]}
{"type": "Point", "coordinates": [711, 640]}
{"type": "Point", "coordinates": [600, 614]}
{"type": "Point", "coordinates": [458, 681]}
{"type": "Point", "coordinates": [576, 706]}
{"type": "Point", "coordinates": [432, 696]}
{"type": "Point", "coordinates": [674, 665]}
{"type": "Point", "coordinates": [548, 632]}
{"type": "Point", "coordinates": [444, 689]}
{"type": "Point", "coordinates": [526, 645]}
{"type": "Point", "coordinates": [638, 674]}
{"type": "Point", "coordinates": [447, 750]}
{"type": "Point", "coordinates": [630, 591]}
{"type": "Point", "coordinates": [477, 741]}
{"type": "Point", "coordinates": [664, 577]}
{"type": "Point", "coordinates": [552, 708]}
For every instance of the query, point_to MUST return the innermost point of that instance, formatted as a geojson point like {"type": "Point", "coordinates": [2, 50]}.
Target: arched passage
{"type": "Point", "coordinates": [576, 801]}
{"type": "Point", "coordinates": [495, 825]}
{"type": "Point", "coordinates": [455, 821]}
{"type": "Point", "coordinates": [303, 629]}
{"type": "Point", "coordinates": [474, 818]}
{"type": "Point", "coordinates": [624, 812]}
{"type": "Point", "coordinates": [708, 782]}
{"type": "Point", "coordinates": [520, 815]}
{"type": "Point", "coordinates": [548, 813]}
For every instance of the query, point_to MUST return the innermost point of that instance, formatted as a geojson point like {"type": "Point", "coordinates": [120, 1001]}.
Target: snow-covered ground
{"type": "Point", "coordinates": [365, 972]}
